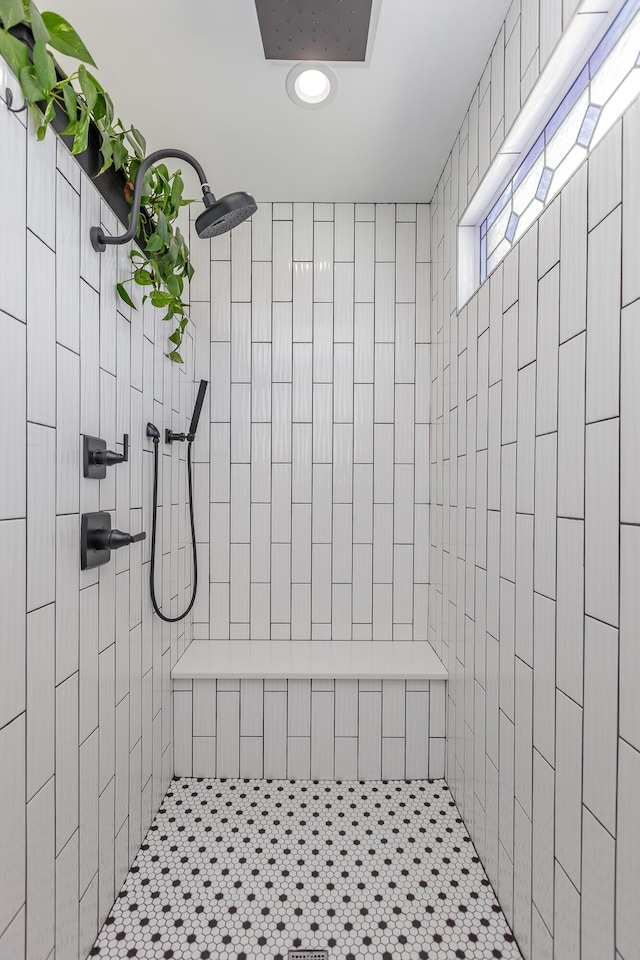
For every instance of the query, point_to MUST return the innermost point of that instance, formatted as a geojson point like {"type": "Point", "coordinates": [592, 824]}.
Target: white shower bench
{"type": "Point", "coordinates": [316, 709]}
{"type": "Point", "coordinates": [309, 660]}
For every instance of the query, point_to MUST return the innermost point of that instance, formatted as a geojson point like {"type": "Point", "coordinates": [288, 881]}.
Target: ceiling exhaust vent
{"type": "Point", "coordinates": [314, 29]}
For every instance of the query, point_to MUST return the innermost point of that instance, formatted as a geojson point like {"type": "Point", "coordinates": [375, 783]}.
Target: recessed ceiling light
{"type": "Point", "coordinates": [312, 84]}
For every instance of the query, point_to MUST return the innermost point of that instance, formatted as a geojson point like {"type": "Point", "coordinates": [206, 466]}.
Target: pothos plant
{"type": "Point", "coordinates": [164, 266]}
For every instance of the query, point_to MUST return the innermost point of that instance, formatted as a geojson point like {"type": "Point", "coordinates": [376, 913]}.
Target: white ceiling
{"type": "Point", "coordinates": [193, 75]}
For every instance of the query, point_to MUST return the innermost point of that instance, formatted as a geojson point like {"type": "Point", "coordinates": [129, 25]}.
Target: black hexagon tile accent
{"type": "Point", "coordinates": [245, 869]}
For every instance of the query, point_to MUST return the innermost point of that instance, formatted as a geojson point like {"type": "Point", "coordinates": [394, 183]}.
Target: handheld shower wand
{"type": "Point", "coordinates": [170, 437]}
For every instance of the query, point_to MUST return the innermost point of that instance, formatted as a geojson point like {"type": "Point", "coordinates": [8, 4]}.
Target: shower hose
{"type": "Point", "coordinates": [154, 525]}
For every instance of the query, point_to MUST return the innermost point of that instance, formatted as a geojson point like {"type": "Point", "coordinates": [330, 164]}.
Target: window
{"type": "Point", "coordinates": [607, 83]}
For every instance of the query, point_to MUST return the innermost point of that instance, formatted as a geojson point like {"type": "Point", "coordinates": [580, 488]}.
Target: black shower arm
{"type": "Point", "coordinates": [100, 240]}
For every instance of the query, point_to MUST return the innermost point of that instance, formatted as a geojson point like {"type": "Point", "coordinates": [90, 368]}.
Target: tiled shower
{"type": "Point", "coordinates": [374, 464]}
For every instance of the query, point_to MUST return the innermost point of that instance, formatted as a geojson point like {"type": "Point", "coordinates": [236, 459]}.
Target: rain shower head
{"type": "Point", "coordinates": [218, 216]}
{"type": "Point", "coordinates": [224, 214]}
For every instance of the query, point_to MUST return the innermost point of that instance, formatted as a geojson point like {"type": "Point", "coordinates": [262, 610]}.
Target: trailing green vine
{"type": "Point", "coordinates": [164, 267]}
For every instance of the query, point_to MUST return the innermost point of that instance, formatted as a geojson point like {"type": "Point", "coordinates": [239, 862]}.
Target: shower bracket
{"type": "Point", "coordinates": [171, 437]}
{"type": "Point", "coordinates": [96, 458]}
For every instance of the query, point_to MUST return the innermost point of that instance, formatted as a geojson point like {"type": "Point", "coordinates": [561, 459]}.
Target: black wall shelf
{"type": "Point", "coordinates": [112, 183]}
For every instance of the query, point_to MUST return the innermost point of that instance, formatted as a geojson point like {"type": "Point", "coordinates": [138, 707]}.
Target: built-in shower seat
{"type": "Point", "coordinates": [309, 660]}
{"type": "Point", "coordinates": [309, 709]}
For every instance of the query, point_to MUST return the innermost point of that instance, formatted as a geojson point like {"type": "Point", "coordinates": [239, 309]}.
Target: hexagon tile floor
{"type": "Point", "coordinates": [244, 869]}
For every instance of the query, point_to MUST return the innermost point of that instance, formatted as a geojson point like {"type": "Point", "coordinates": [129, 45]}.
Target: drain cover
{"type": "Point", "coordinates": [308, 955]}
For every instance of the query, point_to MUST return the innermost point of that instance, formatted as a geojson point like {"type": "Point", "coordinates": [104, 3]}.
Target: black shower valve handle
{"type": "Point", "coordinates": [98, 539]}
{"type": "Point", "coordinates": [115, 539]}
{"type": "Point", "coordinates": [109, 458]}
{"type": "Point", "coordinates": [96, 458]}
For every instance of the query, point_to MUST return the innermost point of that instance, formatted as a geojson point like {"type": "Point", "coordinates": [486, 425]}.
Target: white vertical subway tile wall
{"type": "Point", "coordinates": [314, 333]}
{"type": "Point", "coordinates": [85, 701]}
{"type": "Point", "coordinates": [318, 729]}
{"type": "Point", "coordinates": [535, 565]}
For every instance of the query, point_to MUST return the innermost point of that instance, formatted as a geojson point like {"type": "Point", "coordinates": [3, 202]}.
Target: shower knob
{"type": "Point", "coordinates": [98, 539]}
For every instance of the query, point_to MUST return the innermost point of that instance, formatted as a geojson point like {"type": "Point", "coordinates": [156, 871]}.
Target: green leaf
{"type": "Point", "coordinates": [163, 226]}
{"type": "Point", "coordinates": [175, 356]}
{"type": "Point", "coordinates": [160, 299]}
{"type": "Point", "coordinates": [95, 82]}
{"type": "Point", "coordinates": [143, 277]}
{"type": "Point", "coordinates": [176, 191]}
{"type": "Point", "coordinates": [108, 102]}
{"type": "Point", "coordinates": [11, 13]}
{"type": "Point", "coordinates": [107, 153]}
{"type": "Point", "coordinates": [81, 138]}
{"type": "Point", "coordinates": [44, 66]}
{"type": "Point", "coordinates": [30, 86]}
{"type": "Point", "coordinates": [40, 31]}
{"type": "Point", "coordinates": [100, 109]}
{"type": "Point", "coordinates": [142, 143]}
{"type": "Point", "coordinates": [176, 337]}
{"type": "Point", "coordinates": [120, 153]}
{"type": "Point", "coordinates": [155, 243]}
{"type": "Point", "coordinates": [174, 285]}
{"type": "Point", "coordinates": [162, 172]}
{"type": "Point", "coordinates": [64, 38]}
{"type": "Point", "coordinates": [46, 120]}
{"type": "Point", "coordinates": [125, 296]}
{"type": "Point", "coordinates": [88, 87]}
{"type": "Point", "coordinates": [135, 144]}
{"type": "Point", "coordinates": [14, 52]}
{"type": "Point", "coordinates": [70, 98]}
{"type": "Point", "coordinates": [174, 249]}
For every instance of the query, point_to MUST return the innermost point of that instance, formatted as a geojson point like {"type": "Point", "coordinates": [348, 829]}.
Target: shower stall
{"type": "Point", "coordinates": [362, 679]}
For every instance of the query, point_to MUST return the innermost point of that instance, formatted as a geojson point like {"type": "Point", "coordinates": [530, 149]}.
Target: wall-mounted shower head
{"type": "Point", "coordinates": [225, 214]}
{"type": "Point", "coordinates": [218, 217]}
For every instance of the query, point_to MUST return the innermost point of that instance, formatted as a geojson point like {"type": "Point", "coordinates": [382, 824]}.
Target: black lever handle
{"type": "Point", "coordinates": [96, 457]}
{"type": "Point", "coordinates": [108, 458]}
{"type": "Point", "coordinates": [114, 539]}
{"type": "Point", "coordinates": [98, 539]}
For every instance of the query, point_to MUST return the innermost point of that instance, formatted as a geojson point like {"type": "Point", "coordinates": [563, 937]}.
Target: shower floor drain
{"type": "Point", "coordinates": [308, 955]}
